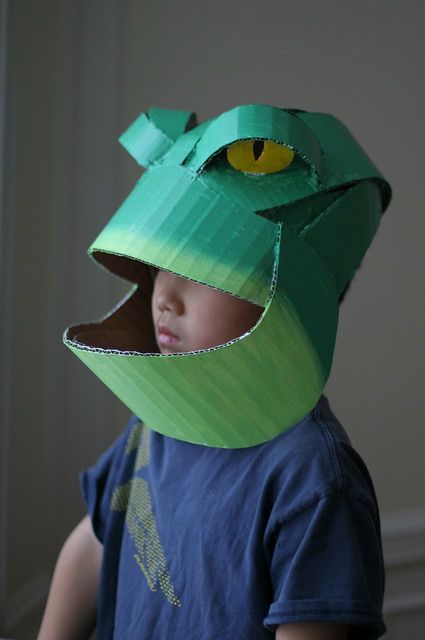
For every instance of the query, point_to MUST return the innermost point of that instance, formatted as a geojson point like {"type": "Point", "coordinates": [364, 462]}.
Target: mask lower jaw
{"type": "Point", "coordinates": [237, 395]}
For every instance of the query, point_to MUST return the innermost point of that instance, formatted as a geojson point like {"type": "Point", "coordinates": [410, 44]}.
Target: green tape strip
{"type": "Point", "coordinates": [153, 134]}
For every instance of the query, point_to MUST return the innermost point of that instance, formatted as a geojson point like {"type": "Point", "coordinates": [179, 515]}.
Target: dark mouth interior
{"type": "Point", "coordinates": [126, 268]}
{"type": "Point", "coordinates": [128, 328]}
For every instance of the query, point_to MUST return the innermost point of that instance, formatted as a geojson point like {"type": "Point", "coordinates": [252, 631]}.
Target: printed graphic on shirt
{"type": "Point", "coordinates": [134, 498]}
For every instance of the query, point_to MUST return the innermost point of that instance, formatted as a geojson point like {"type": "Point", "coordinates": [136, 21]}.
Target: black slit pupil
{"type": "Point", "coordinates": [258, 148]}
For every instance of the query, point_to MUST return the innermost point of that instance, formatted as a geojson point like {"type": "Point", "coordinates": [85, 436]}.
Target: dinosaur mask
{"type": "Point", "coordinates": [274, 206]}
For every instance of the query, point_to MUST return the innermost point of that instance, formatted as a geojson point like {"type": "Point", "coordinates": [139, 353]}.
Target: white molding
{"type": "Point", "coordinates": [405, 604]}
{"type": "Point", "coordinates": [403, 537]}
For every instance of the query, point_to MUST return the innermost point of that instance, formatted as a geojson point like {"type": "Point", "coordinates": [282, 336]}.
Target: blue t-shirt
{"type": "Point", "coordinates": [210, 543]}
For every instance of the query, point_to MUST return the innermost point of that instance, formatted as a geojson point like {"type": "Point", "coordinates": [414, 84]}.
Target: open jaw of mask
{"type": "Point", "coordinates": [234, 395]}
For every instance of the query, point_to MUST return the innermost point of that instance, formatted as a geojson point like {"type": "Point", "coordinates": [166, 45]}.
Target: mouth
{"type": "Point", "coordinates": [165, 337]}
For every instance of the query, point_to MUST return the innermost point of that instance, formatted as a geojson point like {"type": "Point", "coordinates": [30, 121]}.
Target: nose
{"type": "Point", "coordinates": [168, 298]}
{"type": "Point", "coordinates": [169, 303]}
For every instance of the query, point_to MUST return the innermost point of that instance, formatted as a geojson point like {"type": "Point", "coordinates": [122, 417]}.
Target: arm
{"type": "Point", "coordinates": [71, 606]}
{"type": "Point", "coordinates": [311, 631]}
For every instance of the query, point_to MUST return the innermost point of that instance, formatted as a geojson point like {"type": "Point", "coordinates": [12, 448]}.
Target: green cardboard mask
{"type": "Point", "coordinates": [275, 206]}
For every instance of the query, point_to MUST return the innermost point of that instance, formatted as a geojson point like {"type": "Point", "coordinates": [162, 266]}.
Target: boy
{"type": "Point", "coordinates": [242, 511]}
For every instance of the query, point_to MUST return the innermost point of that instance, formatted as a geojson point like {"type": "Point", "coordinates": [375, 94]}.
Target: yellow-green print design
{"type": "Point", "coordinates": [134, 498]}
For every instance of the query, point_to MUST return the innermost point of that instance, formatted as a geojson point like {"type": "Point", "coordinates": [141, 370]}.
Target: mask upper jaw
{"type": "Point", "coordinates": [184, 191]}
{"type": "Point", "coordinates": [193, 227]}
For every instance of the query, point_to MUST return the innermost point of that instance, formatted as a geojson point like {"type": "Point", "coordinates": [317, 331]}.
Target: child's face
{"type": "Point", "coordinates": [189, 316]}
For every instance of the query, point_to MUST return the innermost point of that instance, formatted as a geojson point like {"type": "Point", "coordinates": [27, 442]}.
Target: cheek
{"type": "Point", "coordinates": [227, 319]}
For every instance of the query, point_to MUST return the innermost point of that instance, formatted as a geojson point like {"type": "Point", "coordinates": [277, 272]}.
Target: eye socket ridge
{"type": "Point", "coordinates": [259, 156]}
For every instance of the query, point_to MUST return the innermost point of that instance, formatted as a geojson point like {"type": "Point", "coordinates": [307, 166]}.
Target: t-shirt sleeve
{"type": "Point", "coordinates": [99, 481]}
{"type": "Point", "coordinates": [326, 565]}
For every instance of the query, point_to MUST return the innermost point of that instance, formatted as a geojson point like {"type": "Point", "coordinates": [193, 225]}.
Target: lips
{"type": "Point", "coordinates": [165, 337]}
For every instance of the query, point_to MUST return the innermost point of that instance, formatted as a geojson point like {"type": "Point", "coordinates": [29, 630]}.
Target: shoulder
{"type": "Point", "coordinates": [113, 467]}
{"type": "Point", "coordinates": [315, 459]}
{"type": "Point", "coordinates": [323, 534]}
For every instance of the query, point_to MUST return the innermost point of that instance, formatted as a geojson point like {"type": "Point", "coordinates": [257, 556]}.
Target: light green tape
{"type": "Point", "coordinates": [288, 240]}
{"type": "Point", "coordinates": [172, 392]}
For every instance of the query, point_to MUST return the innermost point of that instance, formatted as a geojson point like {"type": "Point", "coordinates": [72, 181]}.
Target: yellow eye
{"type": "Point", "coordinates": [259, 156]}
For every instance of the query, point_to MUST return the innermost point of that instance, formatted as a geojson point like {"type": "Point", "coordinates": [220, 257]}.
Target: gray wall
{"type": "Point", "coordinates": [77, 74]}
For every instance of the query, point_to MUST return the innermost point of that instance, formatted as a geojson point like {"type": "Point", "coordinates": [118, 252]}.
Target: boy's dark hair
{"type": "Point", "coordinates": [345, 291]}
